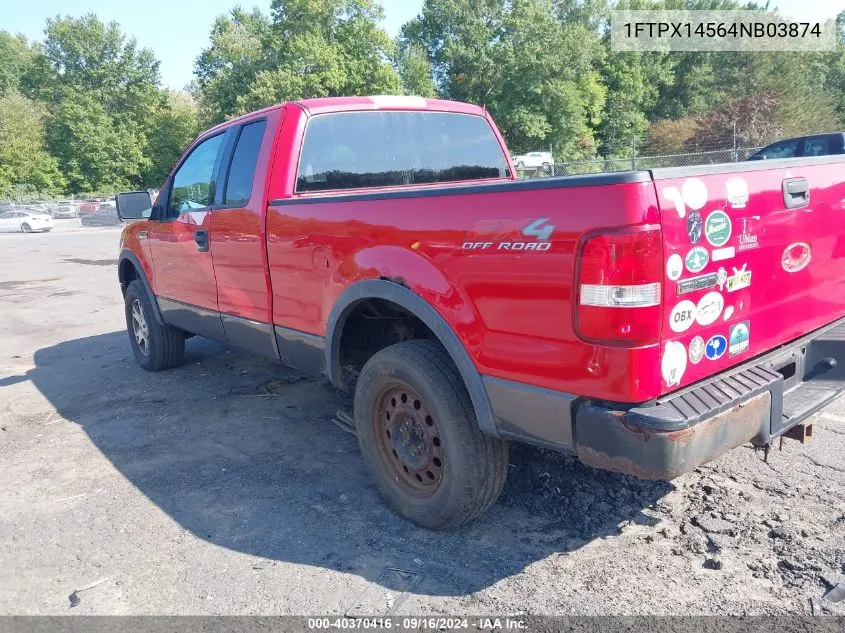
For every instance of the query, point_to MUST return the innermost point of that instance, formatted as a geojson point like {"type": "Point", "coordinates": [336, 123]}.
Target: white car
{"type": "Point", "coordinates": [533, 159]}
{"type": "Point", "coordinates": [25, 222]}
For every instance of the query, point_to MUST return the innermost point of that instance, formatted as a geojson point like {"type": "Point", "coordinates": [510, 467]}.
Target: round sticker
{"type": "Point", "coordinates": [674, 363]}
{"type": "Point", "coordinates": [697, 259]}
{"type": "Point", "coordinates": [694, 227]}
{"type": "Point", "coordinates": [723, 278]}
{"type": "Point", "coordinates": [696, 350]}
{"type": "Point", "coordinates": [674, 267]}
{"type": "Point", "coordinates": [682, 316]}
{"type": "Point", "coordinates": [718, 228]}
{"type": "Point", "coordinates": [716, 347]}
{"type": "Point", "coordinates": [695, 193]}
{"type": "Point", "coordinates": [737, 190]}
{"type": "Point", "coordinates": [796, 257]}
{"type": "Point", "coordinates": [709, 308]}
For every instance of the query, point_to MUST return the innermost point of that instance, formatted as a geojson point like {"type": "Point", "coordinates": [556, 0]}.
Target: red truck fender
{"type": "Point", "coordinates": [416, 305]}
{"type": "Point", "coordinates": [129, 268]}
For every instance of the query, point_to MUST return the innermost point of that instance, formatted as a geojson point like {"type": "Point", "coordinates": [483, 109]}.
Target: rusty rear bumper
{"type": "Point", "coordinates": [755, 402]}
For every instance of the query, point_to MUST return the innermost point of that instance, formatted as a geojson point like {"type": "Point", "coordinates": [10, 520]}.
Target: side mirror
{"type": "Point", "coordinates": [134, 205]}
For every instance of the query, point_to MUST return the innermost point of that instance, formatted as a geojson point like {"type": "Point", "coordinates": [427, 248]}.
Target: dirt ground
{"type": "Point", "coordinates": [222, 487]}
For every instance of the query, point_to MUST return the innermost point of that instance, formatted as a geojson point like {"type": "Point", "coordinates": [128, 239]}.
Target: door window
{"type": "Point", "coordinates": [193, 183]}
{"type": "Point", "coordinates": [244, 159]}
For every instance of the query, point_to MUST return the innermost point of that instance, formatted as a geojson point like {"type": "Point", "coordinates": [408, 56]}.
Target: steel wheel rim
{"type": "Point", "coordinates": [140, 328]}
{"type": "Point", "coordinates": [408, 441]}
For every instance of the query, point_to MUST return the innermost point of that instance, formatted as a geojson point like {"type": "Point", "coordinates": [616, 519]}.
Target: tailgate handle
{"type": "Point", "coordinates": [796, 193]}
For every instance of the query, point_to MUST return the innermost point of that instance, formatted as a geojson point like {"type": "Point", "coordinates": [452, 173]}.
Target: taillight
{"type": "Point", "coordinates": [619, 288]}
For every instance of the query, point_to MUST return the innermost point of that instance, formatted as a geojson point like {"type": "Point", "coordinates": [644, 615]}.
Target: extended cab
{"type": "Point", "coordinates": [645, 321]}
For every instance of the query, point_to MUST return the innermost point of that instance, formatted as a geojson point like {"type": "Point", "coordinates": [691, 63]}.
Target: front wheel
{"type": "Point", "coordinates": [155, 346]}
{"type": "Point", "coordinates": [420, 438]}
{"type": "Point", "coordinates": [26, 228]}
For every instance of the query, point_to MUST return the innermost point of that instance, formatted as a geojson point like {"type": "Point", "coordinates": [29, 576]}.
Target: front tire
{"type": "Point", "coordinates": [156, 347]}
{"type": "Point", "coordinates": [420, 438]}
{"type": "Point", "coordinates": [26, 228]}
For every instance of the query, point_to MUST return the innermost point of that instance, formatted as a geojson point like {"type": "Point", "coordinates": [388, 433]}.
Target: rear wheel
{"type": "Point", "coordinates": [420, 438]}
{"type": "Point", "coordinates": [155, 346]}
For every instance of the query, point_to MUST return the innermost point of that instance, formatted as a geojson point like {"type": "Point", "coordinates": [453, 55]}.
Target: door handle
{"type": "Point", "coordinates": [201, 238]}
{"type": "Point", "coordinates": [796, 193]}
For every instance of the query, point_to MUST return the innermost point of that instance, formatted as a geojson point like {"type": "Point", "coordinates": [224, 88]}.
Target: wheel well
{"type": "Point", "coordinates": [372, 325]}
{"type": "Point", "coordinates": [126, 273]}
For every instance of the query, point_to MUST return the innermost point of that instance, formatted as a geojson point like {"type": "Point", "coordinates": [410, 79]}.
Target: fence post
{"type": "Point", "coordinates": [736, 156]}
{"type": "Point", "coordinates": [633, 152]}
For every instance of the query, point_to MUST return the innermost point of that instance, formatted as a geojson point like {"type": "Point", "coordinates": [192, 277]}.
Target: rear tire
{"type": "Point", "coordinates": [156, 347]}
{"type": "Point", "coordinates": [420, 438]}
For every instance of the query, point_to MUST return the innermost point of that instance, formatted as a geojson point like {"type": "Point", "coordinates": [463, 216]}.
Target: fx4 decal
{"type": "Point", "coordinates": [510, 235]}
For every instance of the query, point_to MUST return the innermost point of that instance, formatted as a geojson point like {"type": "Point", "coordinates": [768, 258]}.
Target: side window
{"type": "Point", "coordinates": [786, 149]}
{"type": "Point", "coordinates": [819, 146]}
{"type": "Point", "coordinates": [192, 183]}
{"type": "Point", "coordinates": [356, 150]}
{"type": "Point", "coordinates": [244, 159]}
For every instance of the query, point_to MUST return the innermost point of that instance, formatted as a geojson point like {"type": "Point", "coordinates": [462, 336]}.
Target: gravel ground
{"type": "Point", "coordinates": [222, 487]}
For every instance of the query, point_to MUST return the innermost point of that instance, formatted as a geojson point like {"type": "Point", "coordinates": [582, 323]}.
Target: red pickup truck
{"type": "Point", "coordinates": [645, 321]}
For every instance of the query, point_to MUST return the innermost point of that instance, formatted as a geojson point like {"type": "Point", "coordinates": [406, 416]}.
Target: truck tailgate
{"type": "Point", "coordinates": [754, 258]}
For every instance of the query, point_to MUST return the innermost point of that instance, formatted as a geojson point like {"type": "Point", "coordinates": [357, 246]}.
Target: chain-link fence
{"type": "Point", "coordinates": [731, 155]}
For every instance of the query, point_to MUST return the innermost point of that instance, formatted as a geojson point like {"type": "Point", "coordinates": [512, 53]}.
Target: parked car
{"type": "Point", "coordinates": [64, 209]}
{"type": "Point", "coordinates": [22, 221]}
{"type": "Point", "coordinates": [105, 215]}
{"type": "Point", "coordinates": [533, 159]}
{"type": "Point", "coordinates": [804, 146]}
{"type": "Point", "coordinates": [645, 321]}
{"type": "Point", "coordinates": [84, 207]}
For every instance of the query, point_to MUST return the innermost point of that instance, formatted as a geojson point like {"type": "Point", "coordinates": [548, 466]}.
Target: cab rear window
{"type": "Point", "coordinates": [357, 150]}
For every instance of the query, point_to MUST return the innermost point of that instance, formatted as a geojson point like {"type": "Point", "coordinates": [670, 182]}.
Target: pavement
{"type": "Point", "coordinates": [222, 487]}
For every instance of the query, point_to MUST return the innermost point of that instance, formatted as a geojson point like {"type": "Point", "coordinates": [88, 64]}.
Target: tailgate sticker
{"type": "Point", "coordinates": [697, 283]}
{"type": "Point", "coordinates": [674, 363]}
{"type": "Point", "coordinates": [709, 308]}
{"type": "Point", "coordinates": [697, 259]}
{"type": "Point", "coordinates": [682, 316]}
{"type": "Point", "coordinates": [694, 227]}
{"type": "Point", "coordinates": [695, 193]}
{"type": "Point", "coordinates": [718, 228]}
{"type": "Point", "coordinates": [721, 254]}
{"type": "Point", "coordinates": [696, 350]}
{"type": "Point", "coordinates": [739, 338]}
{"type": "Point", "coordinates": [740, 279]}
{"type": "Point", "coordinates": [716, 347]}
{"type": "Point", "coordinates": [674, 267]}
{"type": "Point", "coordinates": [737, 190]}
{"type": "Point", "coordinates": [729, 312]}
{"type": "Point", "coordinates": [748, 238]}
{"type": "Point", "coordinates": [796, 257]}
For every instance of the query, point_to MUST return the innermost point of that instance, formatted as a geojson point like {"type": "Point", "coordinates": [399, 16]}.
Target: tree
{"type": "Point", "coordinates": [17, 57]}
{"type": "Point", "coordinates": [537, 76]}
{"type": "Point", "coordinates": [174, 126]}
{"type": "Point", "coordinates": [414, 70]}
{"type": "Point", "coordinates": [95, 152]}
{"type": "Point", "coordinates": [307, 48]}
{"type": "Point", "coordinates": [24, 160]}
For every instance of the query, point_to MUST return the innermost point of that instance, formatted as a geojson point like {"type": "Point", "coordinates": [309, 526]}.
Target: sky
{"type": "Point", "coordinates": [177, 30]}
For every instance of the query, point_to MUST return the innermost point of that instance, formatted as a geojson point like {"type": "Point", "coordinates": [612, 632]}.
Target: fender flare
{"type": "Point", "coordinates": [127, 255]}
{"type": "Point", "coordinates": [419, 307]}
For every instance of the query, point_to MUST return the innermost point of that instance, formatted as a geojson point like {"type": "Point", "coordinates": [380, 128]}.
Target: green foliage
{"type": "Point", "coordinates": [174, 125]}
{"type": "Point", "coordinates": [95, 152]}
{"type": "Point", "coordinates": [414, 70]}
{"type": "Point", "coordinates": [25, 165]}
{"type": "Point", "coordinates": [536, 75]}
{"type": "Point", "coordinates": [305, 49]}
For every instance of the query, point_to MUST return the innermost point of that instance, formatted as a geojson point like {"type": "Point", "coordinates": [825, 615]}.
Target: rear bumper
{"type": "Point", "coordinates": [755, 402]}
